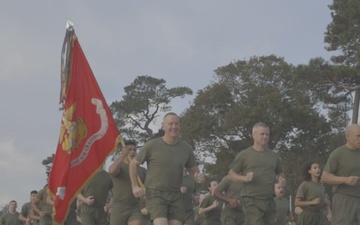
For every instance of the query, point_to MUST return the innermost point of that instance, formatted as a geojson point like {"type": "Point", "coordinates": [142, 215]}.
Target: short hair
{"type": "Point", "coordinates": [33, 192]}
{"type": "Point", "coordinates": [170, 114]}
{"type": "Point", "coordinates": [351, 129]}
{"type": "Point", "coordinates": [259, 124]}
{"type": "Point", "coordinates": [130, 142]}
{"type": "Point", "coordinates": [12, 201]}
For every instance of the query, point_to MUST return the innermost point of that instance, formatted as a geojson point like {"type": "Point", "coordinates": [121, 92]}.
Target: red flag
{"type": "Point", "coordinates": [88, 131]}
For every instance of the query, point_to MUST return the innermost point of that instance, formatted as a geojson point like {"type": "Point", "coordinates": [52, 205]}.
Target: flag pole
{"type": "Point", "coordinates": [66, 61]}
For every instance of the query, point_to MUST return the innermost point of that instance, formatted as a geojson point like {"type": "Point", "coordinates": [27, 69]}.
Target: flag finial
{"type": "Point", "coordinates": [69, 24]}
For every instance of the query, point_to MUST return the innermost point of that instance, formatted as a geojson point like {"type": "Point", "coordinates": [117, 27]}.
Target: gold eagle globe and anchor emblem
{"type": "Point", "coordinates": [72, 131]}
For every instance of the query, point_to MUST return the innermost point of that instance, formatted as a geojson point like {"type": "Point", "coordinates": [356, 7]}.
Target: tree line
{"type": "Point", "coordinates": [307, 106]}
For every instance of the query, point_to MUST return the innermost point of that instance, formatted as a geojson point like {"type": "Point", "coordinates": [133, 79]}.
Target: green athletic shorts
{"type": "Point", "coordinates": [232, 216]}
{"type": "Point", "coordinates": [259, 211]}
{"type": "Point", "coordinates": [209, 222]}
{"type": "Point", "coordinates": [189, 218]}
{"type": "Point", "coordinates": [311, 217]}
{"type": "Point", "coordinates": [345, 210]}
{"type": "Point", "coordinates": [91, 215]}
{"type": "Point", "coordinates": [122, 215]}
{"type": "Point", "coordinates": [165, 204]}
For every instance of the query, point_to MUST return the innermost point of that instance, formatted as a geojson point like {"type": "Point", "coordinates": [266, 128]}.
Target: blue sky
{"type": "Point", "coordinates": [182, 42]}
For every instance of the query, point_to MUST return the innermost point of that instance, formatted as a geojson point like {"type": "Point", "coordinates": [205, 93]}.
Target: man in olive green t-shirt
{"type": "Point", "coordinates": [166, 157]}
{"type": "Point", "coordinates": [229, 192]}
{"type": "Point", "coordinates": [94, 198]}
{"type": "Point", "coordinates": [12, 216]}
{"type": "Point", "coordinates": [342, 170]}
{"type": "Point", "coordinates": [25, 209]}
{"type": "Point", "coordinates": [125, 208]}
{"type": "Point", "coordinates": [258, 168]}
{"type": "Point", "coordinates": [40, 205]}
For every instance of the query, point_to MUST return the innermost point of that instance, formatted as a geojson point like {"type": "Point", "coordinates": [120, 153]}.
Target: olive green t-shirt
{"type": "Point", "coordinates": [165, 163]}
{"type": "Point", "coordinates": [345, 162]}
{"type": "Point", "coordinates": [231, 189]}
{"type": "Point", "coordinates": [265, 165]}
{"type": "Point", "coordinates": [25, 209]}
{"type": "Point", "coordinates": [122, 194]}
{"type": "Point", "coordinates": [187, 197]}
{"type": "Point", "coordinates": [282, 211]}
{"type": "Point", "coordinates": [10, 219]}
{"type": "Point", "coordinates": [34, 222]}
{"type": "Point", "coordinates": [99, 187]}
{"type": "Point", "coordinates": [214, 214]}
{"type": "Point", "coordinates": [42, 196]}
{"type": "Point", "coordinates": [308, 191]}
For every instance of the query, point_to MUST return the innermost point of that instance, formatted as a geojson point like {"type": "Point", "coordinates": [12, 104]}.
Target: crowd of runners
{"type": "Point", "coordinates": [165, 193]}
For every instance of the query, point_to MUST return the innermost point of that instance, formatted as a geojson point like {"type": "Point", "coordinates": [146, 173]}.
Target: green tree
{"type": "Point", "coordinates": [323, 80]}
{"type": "Point", "coordinates": [48, 162]}
{"type": "Point", "coordinates": [144, 99]}
{"type": "Point", "coordinates": [342, 36]}
{"type": "Point", "coordinates": [4, 209]}
{"type": "Point", "coordinates": [263, 89]}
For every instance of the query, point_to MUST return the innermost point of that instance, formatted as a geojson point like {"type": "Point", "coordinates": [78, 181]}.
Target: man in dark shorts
{"type": "Point", "coordinates": [125, 207]}
{"type": "Point", "coordinates": [93, 198]}
{"type": "Point", "coordinates": [342, 170]}
{"type": "Point", "coordinates": [258, 168]}
{"type": "Point", "coordinates": [228, 191]}
{"type": "Point", "coordinates": [166, 157]}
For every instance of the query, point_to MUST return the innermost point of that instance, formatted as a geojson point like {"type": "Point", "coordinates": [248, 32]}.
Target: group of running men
{"type": "Point", "coordinates": [251, 193]}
